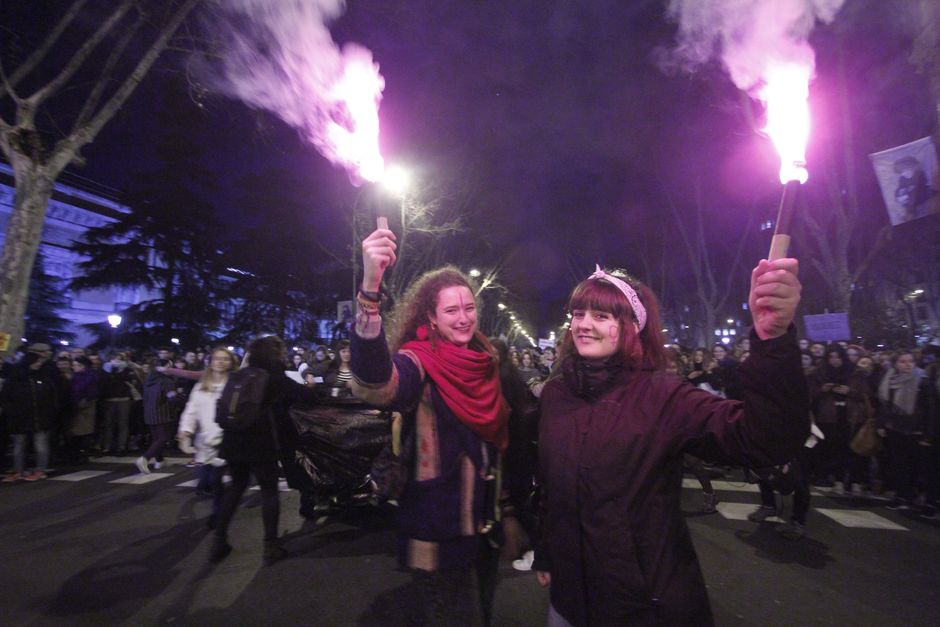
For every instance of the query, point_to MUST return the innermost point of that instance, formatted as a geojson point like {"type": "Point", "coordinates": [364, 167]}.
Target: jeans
{"type": "Point", "coordinates": [40, 445]}
{"type": "Point", "coordinates": [116, 414]}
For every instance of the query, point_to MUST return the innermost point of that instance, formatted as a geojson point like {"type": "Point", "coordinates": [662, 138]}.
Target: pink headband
{"type": "Point", "coordinates": [638, 309]}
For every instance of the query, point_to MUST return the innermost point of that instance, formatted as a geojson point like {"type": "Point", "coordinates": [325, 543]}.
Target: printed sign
{"type": "Point", "coordinates": [909, 180]}
{"type": "Point", "coordinates": [827, 327]}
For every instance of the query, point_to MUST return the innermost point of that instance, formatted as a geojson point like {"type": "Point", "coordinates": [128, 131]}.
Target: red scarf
{"type": "Point", "coordinates": [468, 382]}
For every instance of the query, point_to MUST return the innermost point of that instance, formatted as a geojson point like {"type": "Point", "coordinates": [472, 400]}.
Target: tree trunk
{"type": "Point", "coordinates": [33, 190]}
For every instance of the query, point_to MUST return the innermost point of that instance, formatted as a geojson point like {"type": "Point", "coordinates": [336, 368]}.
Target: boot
{"type": "Point", "coordinates": [273, 552]}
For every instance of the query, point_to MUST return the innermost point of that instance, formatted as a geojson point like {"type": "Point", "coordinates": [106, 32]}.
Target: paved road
{"type": "Point", "coordinates": [108, 546]}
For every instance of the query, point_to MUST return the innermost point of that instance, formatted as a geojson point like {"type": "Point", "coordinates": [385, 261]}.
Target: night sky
{"type": "Point", "coordinates": [569, 138]}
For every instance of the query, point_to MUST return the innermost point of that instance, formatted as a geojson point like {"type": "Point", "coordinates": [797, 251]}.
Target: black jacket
{"type": "Point", "coordinates": [272, 432]}
{"type": "Point", "coordinates": [29, 399]}
{"type": "Point", "coordinates": [613, 536]}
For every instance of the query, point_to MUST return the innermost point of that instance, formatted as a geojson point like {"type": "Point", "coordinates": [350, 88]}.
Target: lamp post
{"type": "Point", "coordinates": [115, 321]}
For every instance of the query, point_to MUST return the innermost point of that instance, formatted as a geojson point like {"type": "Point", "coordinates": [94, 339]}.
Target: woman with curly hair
{"type": "Point", "coordinates": [614, 547]}
{"type": "Point", "coordinates": [441, 373]}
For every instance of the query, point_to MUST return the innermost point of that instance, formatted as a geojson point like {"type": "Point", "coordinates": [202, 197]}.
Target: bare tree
{"type": "Point", "coordinates": [712, 292]}
{"type": "Point", "coordinates": [37, 161]}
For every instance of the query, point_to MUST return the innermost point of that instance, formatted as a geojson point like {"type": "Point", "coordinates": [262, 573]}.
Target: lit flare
{"type": "Point", "coordinates": [786, 94]}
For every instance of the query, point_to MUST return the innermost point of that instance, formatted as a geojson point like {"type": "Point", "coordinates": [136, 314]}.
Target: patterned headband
{"type": "Point", "coordinates": [638, 309]}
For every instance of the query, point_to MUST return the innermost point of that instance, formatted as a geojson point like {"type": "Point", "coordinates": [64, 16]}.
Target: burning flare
{"type": "Point", "coordinates": [785, 93]}
{"type": "Point", "coordinates": [352, 133]}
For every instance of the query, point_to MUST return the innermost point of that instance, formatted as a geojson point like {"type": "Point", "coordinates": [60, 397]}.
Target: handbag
{"type": "Point", "coordinates": [391, 468]}
{"type": "Point", "coordinates": [867, 442]}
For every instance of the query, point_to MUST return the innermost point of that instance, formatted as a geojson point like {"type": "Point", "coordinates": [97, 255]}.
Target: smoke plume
{"type": "Point", "coordinates": [749, 36]}
{"type": "Point", "coordinates": [278, 55]}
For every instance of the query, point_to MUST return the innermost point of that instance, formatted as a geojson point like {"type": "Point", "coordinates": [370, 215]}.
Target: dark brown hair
{"type": "Point", "coordinates": [267, 353]}
{"type": "Point", "coordinates": [644, 350]}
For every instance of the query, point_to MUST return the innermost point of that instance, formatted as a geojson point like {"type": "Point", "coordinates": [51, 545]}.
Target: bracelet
{"type": "Point", "coordinates": [368, 306]}
{"type": "Point", "coordinates": [375, 297]}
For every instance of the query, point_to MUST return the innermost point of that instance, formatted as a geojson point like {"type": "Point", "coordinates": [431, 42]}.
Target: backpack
{"type": "Point", "coordinates": [242, 401]}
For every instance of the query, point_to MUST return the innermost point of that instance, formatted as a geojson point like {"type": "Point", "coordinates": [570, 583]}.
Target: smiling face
{"type": "Point", "coordinates": [719, 353]}
{"type": "Point", "coordinates": [455, 315]}
{"type": "Point", "coordinates": [596, 334]}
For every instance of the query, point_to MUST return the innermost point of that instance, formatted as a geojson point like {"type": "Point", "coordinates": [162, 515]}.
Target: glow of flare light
{"type": "Point", "coordinates": [352, 133]}
{"type": "Point", "coordinates": [786, 93]}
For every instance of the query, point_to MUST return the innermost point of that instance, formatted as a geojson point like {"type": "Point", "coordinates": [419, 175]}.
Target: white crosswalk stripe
{"type": "Point", "coordinates": [859, 518]}
{"type": "Point", "coordinates": [81, 475]}
{"type": "Point", "coordinates": [140, 478]}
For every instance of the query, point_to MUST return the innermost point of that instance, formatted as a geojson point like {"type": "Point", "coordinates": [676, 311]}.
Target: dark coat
{"type": "Point", "coordinates": [159, 395]}
{"type": "Point", "coordinates": [29, 399]}
{"type": "Point", "coordinates": [272, 432]}
{"type": "Point", "coordinates": [613, 536]}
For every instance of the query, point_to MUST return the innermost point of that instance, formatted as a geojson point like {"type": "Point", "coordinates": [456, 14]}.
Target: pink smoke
{"type": "Point", "coordinates": [763, 45]}
{"type": "Point", "coordinates": [279, 55]}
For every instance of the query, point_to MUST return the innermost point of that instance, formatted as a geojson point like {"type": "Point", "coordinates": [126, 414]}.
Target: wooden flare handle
{"type": "Point", "coordinates": [778, 247]}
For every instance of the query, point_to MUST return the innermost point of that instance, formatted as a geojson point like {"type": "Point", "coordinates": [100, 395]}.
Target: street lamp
{"type": "Point", "coordinates": [474, 273]}
{"type": "Point", "coordinates": [115, 321]}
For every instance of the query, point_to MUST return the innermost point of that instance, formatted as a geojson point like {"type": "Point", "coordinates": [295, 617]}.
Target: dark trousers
{"type": "Point", "coordinates": [695, 466]}
{"type": "Point", "coordinates": [210, 480]}
{"type": "Point", "coordinates": [800, 490]}
{"type": "Point", "coordinates": [159, 436]}
{"type": "Point", "coordinates": [905, 457]}
{"type": "Point", "coordinates": [266, 475]}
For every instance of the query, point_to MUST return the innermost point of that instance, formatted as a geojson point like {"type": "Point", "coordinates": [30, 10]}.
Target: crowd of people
{"type": "Point", "coordinates": [582, 446]}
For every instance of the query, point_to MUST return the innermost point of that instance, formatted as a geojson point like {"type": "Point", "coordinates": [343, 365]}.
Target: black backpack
{"type": "Point", "coordinates": [242, 401]}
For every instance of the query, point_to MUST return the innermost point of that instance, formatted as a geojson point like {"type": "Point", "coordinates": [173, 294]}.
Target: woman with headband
{"type": "Point", "coordinates": [614, 547]}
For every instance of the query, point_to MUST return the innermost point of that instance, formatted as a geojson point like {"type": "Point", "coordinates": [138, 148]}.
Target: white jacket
{"type": "Point", "coordinates": [199, 419]}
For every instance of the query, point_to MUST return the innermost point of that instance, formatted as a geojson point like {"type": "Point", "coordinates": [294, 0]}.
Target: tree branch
{"type": "Point", "coordinates": [79, 58]}
{"type": "Point", "coordinates": [34, 59]}
{"type": "Point", "coordinates": [105, 75]}
{"type": "Point", "coordinates": [66, 148]}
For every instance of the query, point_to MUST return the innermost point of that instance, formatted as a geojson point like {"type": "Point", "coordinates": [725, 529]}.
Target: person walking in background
{"type": "Point", "coordinates": [159, 415]}
{"type": "Point", "coordinates": [198, 426]}
{"type": "Point", "coordinates": [255, 449]}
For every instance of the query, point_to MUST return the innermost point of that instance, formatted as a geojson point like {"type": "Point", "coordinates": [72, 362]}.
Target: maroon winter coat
{"type": "Point", "coordinates": [612, 534]}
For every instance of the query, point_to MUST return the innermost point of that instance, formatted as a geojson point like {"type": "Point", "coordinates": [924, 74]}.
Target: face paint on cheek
{"type": "Point", "coordinates": [613, 332]}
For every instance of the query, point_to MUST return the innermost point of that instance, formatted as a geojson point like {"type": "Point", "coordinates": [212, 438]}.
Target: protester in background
{"type": "Point", "coordinates": [198, 426]}
{"type": "Point", "coordinates": [339, 373]}
{"type": "Point", "coordinates": [159, 415]}
{"type": "Point", "coordinates": [840, 407]}
{"type": "Point", "coordinates": [28, 401]}
{"type": "Point", "coordinates": [693, 464]}
{"type": "Point", "coordinates": [119, 389]}
{"type": "Point", "coordinates": [320, 362]}
{"type": "Point", "coordinates": [547, 361]}
{"type": "Point", "coordinates": [521, 458]}
{"type": "Point", "coordinates": [84, 395]}
{"type": "Point", "coordinates": [254, 451]}
{"type": "Point", "coordinates": [442, 374]}
{"type": "Point", "coordinates": [902, 427]}
{"type": "Point", "coordinates": [528, 367]}
{"type": "Point", "coordinates": [615, 549]}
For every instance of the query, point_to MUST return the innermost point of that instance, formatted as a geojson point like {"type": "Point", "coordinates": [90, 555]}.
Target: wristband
{"type": "Point", "coordinates": [375, 297]}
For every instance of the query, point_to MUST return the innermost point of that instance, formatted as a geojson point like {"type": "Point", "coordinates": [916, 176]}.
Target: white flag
{"type": "Point", "coordinates": [909, 179]}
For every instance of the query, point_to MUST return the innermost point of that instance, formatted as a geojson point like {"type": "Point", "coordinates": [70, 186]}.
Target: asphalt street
{"type": "Point", "coordinates": [103, 545]}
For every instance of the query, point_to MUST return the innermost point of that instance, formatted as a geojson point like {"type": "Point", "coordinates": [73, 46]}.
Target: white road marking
{"type": "Point", "coordinates": [859, 518]}
{"type": "Point", "coordinates": [81, 475]}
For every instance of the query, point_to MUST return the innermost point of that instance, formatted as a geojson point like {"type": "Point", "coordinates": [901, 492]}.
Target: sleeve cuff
{"type": "Point", "coordinates": [370, 361]}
